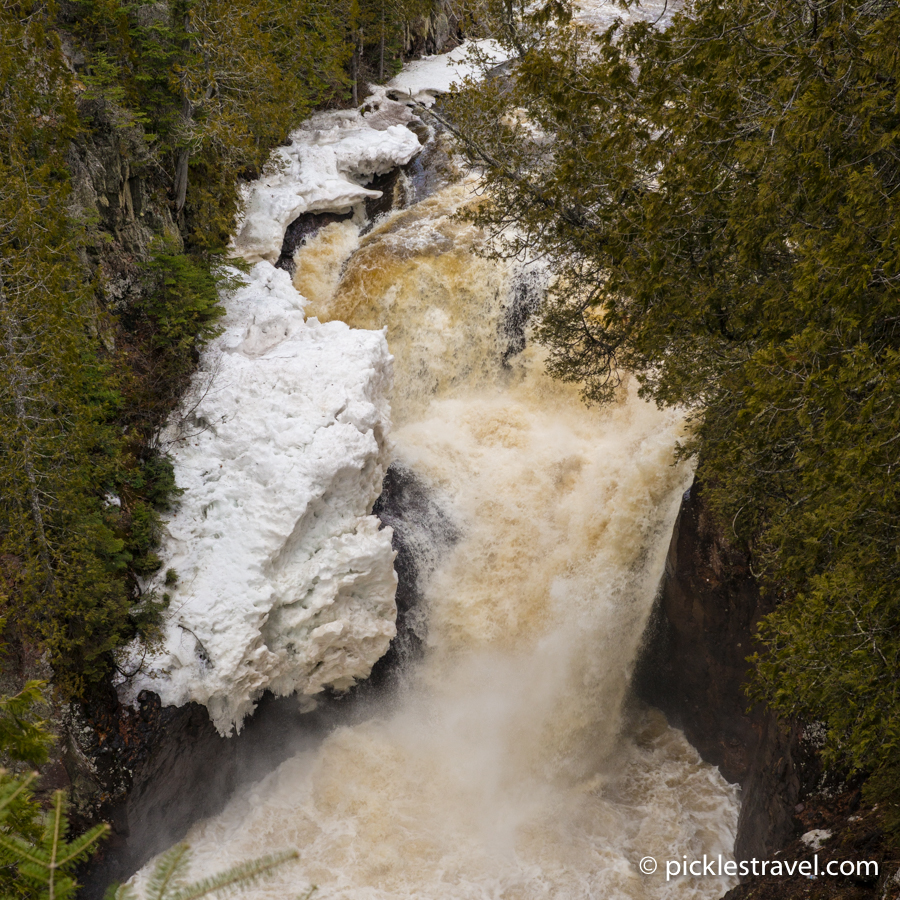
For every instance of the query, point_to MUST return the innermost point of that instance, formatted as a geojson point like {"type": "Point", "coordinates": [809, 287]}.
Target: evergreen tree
{"type": "Point", "coordinates": [37, 859]}
{"type": "Point", "coordinates": [58, 452]}
{"type": "Point", "coordinates": [722, 199]}
{"type": "Point", "coordinates": [218, 85]}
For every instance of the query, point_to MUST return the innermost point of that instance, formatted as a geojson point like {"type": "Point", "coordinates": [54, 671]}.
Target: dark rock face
{"type": "Point", "coordinates": [428, 171]}
{"type": "Point", "coordinates": [853, 834]}
{"type": "Point", "coordinates": [180, 770]}
{"type": "Point", "coordinates": [437, 32]}
{"type": "Point", "coordinates": [112, 188]}
{"type": "Point", "coordinates": [300, 230]}
{"type": "Point", "coordinates": [392, 195]}
{"type": "Point", "coordinates": [528, 292]}
{"type": "Point", "coordinates": [694, 669]}
{"type": "Point", "coordinates": [422, 531]}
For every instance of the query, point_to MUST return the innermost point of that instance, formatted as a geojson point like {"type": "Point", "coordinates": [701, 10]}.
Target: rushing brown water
{"type": "Point", "coordinates": [507, 766]}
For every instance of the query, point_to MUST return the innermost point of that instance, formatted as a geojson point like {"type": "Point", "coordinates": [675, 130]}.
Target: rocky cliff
{"type": "Point", "coordinates": [105, 751]}
{"type": "Point", "coordinates": [694, 668]}
{"type": "Point", "coordinates": [151, 769]}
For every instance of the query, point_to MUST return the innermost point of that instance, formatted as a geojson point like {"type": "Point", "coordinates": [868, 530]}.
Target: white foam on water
{"type": "Point", "coordinates": [507, 767]}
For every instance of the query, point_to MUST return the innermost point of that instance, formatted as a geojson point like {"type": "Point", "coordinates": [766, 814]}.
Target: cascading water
{"type": "Point", "coordinates": [507, 764]}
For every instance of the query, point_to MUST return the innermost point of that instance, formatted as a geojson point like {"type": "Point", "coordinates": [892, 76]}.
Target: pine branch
{"type": "Point", "coordinates": [240, 876]}
{"type": "Point", "coordinates": [168, 874]}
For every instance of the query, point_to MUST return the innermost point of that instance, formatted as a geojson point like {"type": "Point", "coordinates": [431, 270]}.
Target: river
{"type": "Point", "coordinates": [509, 762]}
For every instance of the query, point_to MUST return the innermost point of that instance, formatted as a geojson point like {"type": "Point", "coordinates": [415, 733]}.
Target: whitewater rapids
{"type": "Point", "coordinates": [508, 766]}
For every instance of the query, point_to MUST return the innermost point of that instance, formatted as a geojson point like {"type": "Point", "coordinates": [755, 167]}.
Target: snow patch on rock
{"type": "Point", "coordinates": [285, 581]}
{"type": "Point", "coordinates": [816, 838]}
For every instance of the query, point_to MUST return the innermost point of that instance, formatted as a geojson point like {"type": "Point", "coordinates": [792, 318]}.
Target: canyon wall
{"type": "Point", "coordinates": [694, 668]}
{"type": "Point", "coordinates": [105, 748]}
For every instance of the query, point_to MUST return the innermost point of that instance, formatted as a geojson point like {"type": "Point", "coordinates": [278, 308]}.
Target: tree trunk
{"type": "Point", "coordinates": [181, 178]}
{"type": "Point", "coordinates": [381, 48]}
{"type": "Point", "coordinates": [184, 155]}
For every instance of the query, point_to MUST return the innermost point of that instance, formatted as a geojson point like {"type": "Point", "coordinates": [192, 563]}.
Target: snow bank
{"type": "Point", "coordinates": [324, 169]}
{"type": "Point", "coordinates": [424, 79]}
{"type": "Point", "coordinates": [284, 580]}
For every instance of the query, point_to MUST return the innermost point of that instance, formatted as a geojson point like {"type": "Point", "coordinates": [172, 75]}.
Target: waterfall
{"type": "Point", "coordinates": [508, 762]}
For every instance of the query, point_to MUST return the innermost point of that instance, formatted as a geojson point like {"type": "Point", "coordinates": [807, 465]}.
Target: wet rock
{"type": "Point", "coordinates": [300, 231]}
{"type": "Point", "coordinates": [392, 196]}
{"type": "Point", "coordinates": [433, 168]}
{"type": "Point", "coordinates": [181, 770]}
{"type": "Point", "coordinates": [528, 292]}
{"type": "Point", "coordinates": [694, 668]}
{"type": "Point", "coordinates": [837, 829]}
{"type": "Point", "coordinates": [422, 532]}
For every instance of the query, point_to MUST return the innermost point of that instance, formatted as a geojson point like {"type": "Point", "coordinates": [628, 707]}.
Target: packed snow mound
{"type": "Point", "coordinates": [325, 169]}
{"type": "Point", "coordinates": [285, 581]}
{"type": "Point", "coordinates": [424, 80]}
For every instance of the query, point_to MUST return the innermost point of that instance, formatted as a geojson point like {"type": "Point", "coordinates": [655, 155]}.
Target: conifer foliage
{"type": "Point", "coordinates": [722, 197]}
{"type": "Point", "coordinates": [63, 561]}
{"type": "Point", "coordinates": [215, 84]}
{"type": "Point", "coordinates": [40, 867]}
{"type": "Point", "coordinates": [168, 879]}
{"type": "Point", "coordinates": [204, 89]}
{"type": "Point", "coordinates": [37, 858]}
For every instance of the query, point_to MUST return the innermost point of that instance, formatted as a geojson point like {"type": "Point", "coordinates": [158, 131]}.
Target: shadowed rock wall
{"type": "Point", "coordinates": [694, 668]}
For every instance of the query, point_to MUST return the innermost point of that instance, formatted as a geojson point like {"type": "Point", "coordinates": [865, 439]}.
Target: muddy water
{"type": "Point", "coordinates": [507, 765]}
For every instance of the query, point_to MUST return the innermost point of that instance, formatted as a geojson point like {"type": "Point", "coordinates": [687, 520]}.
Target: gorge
{"type": "Point", "coordinates": [508, 760]}
{"type": "Point", "coordinates": [307, 537]}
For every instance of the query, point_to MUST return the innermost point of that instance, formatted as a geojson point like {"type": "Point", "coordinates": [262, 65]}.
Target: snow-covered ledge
{"type": "Point", "coordinates": [284, 580]}
{"type": "Point", "coordinates": [334, 154]}
{"type": "Point", "coordinates": [324, 169]}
